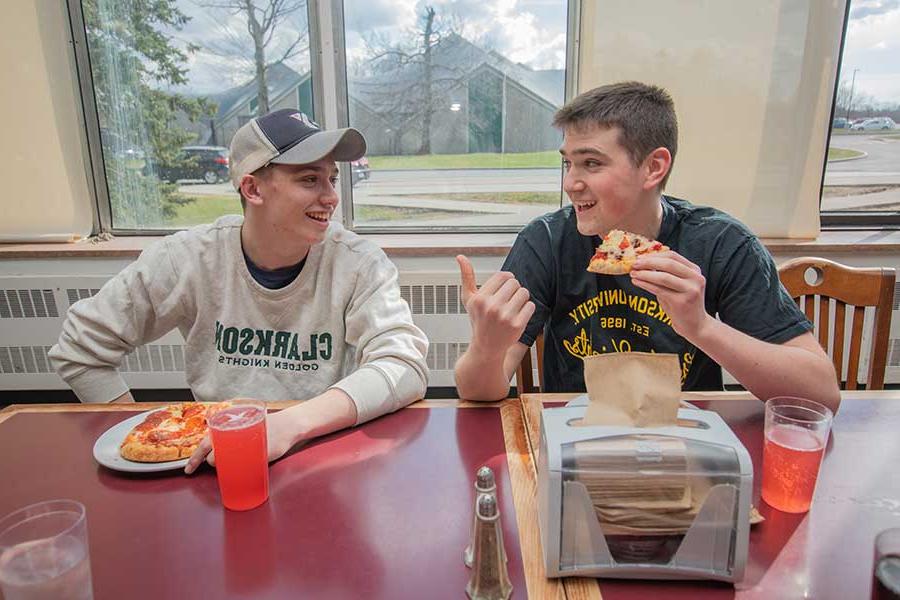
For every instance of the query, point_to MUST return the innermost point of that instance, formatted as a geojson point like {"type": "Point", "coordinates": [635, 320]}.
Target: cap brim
{"type": "Point", "coordinates": [342, 144]}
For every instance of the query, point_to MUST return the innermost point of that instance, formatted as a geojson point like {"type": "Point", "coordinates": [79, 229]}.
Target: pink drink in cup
{"type": "Point", "coordinates": [241, 451]}
{"type": "Point", "coordinates": [796, 432]}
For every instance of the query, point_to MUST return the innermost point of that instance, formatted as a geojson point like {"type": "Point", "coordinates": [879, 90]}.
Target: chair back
{"type": "Point", "coordinates": [525, 383]}
{"type": "Point", "coordinates": [852, 290]}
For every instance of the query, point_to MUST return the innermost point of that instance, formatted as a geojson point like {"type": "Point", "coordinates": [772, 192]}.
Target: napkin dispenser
{"type": "Point", "coordinates": [651, 503]}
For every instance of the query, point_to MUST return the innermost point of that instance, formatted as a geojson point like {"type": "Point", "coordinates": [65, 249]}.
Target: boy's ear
{"type": "Point", "coordinates": [657, 165]}
{"type": "Point", "coordinates": [250, 189]}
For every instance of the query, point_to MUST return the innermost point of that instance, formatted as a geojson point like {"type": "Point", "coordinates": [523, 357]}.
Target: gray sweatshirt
{"type": "Point", "coordinates": [340, 324]}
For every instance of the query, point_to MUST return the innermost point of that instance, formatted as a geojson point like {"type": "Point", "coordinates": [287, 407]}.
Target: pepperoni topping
{"type": "Point", "coordinates": [161, 436]}
{"type": "Point", "coordinates": [153, 420]}
{"type": "Point", "coordinates": [193, 410]}
{"type": "Point", "coordinates": [623, 244]}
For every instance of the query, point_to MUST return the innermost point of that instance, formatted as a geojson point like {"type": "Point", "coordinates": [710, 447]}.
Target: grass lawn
{"type": "Point", "coordinates": [837, 153]}
{"type": "Point", "coordinates": [484, 160]}
{"type": "Point", "coordinates": [207, 208]}
{"type": "Point", "coordinates": [881, 132]}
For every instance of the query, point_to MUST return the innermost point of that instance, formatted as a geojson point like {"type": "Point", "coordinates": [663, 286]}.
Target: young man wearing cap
{"type": "Point", "coordinates": [280, 304]}
{"type": "Point", "coordinates": [618, 146]}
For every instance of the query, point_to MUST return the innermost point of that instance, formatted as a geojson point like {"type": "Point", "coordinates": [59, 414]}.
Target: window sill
{"type": "Point", "coordinates": [450, 244]}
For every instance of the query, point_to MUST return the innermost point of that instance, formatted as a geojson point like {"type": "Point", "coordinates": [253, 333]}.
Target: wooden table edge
{"type": "Point", "coordinates": [524, 490]}
{"type": "Point", "coordinates": [14, 409]}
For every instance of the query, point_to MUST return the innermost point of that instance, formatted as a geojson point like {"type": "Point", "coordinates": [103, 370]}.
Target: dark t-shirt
{"type": "Point", "coordinates": [583, 313]}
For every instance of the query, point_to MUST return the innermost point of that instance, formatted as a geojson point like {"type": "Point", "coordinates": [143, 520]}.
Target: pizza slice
{"type": "Point", "coordinates": [619, 249]}
{"type": "Point", "coordinates": [171, 433]}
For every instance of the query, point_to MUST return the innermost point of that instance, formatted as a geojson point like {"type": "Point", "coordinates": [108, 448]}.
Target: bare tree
{"type": "Point", "coordinates": [265, 30]}
{"type": "Point", "coordinates": [405, 83]}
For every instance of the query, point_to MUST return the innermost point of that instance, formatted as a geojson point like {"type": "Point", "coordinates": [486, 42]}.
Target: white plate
{"type": "Point", "coordinates": [106, 449]}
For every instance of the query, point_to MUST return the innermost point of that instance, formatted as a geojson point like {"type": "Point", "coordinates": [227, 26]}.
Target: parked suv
{"type": "Point", "coordinates": [875, 123]}
{"type": "Point", "coordinates": [207, 163]}
{"type": "Point", "coordinates": [840, 123]}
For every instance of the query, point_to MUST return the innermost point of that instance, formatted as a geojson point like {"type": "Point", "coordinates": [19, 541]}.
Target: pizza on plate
{"type": "Point", "coordinates": [170, 433]}
{"type": "Point", "coordinates": [619, 249]}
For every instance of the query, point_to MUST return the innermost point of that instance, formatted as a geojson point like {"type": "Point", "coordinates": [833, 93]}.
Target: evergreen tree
{"type": "Point", "coordinates": [134, 63]}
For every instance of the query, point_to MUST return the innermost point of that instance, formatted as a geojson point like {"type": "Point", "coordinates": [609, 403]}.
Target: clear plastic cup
{"type": "Point", "coordinates": [796, 432]}
{"type": "Point", "coordinates": [886, 568]}
{"type": "Point", "coordinates": [242, 453]}
{"type": "Point", "coordinates": [44, 553]}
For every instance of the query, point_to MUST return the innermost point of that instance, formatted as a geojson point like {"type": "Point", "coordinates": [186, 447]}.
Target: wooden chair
{"type": "Point", "coordinates": [525, 383]}
{"type": "Point", "coordinates": [852, 289]}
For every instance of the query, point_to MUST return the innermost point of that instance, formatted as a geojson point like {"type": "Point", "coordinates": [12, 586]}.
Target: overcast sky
{"type": "Point", "coordinates": [873, 46]}
{"type": "Point", "coordinates": [532, 32]}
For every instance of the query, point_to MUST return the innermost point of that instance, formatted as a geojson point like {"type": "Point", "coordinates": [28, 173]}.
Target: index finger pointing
{"type": "Point", "coordinates": [467, 275]}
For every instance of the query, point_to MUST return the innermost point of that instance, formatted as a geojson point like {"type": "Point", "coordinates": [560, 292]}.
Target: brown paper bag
{"type": "Point", "coordinates": [632, 389]}
{"type": "Point", "coordinates": [636, 389]}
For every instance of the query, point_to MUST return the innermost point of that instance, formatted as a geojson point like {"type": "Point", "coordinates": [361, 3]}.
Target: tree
{"type": "Point", "coordinates": [132, 61]}
{"type": "Point", "coordinates": [265, 27]}
{"type": "Point", "coordinates": [404, 84]}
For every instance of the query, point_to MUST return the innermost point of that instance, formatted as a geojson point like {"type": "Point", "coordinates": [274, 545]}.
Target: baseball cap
{"type": "Point", "coordinates": [288, 137]}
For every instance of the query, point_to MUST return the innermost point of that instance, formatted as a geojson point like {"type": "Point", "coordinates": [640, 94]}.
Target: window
{"type": "Point", "coordinates": [862, 176]}
{"type": "Point", "coordinates": [455, 104]}
{"type": "Point", "coordinates": [171, 81]}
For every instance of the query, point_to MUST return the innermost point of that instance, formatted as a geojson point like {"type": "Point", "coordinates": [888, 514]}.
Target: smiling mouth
{"type": "Point", "coordinates": [321, 217]}
{"type": "Point", "coordinates": [580, 208]}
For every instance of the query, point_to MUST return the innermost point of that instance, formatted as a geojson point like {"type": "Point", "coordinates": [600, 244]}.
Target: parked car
{"type": "Point", "coordinates": [207, 163]}
{"type": "Point", "coordinates": [874, 123]}
{"type": "Point", "coordinates": [840, 123]}
{"type": "Point", "coordinates": [359, 170]}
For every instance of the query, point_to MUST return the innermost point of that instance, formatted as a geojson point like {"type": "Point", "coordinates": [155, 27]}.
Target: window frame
{"type": "Point", "coordinates": [95, 169]}
{"type": "Point", "coordinates": [844, 220]}
{"type": "Point", "coordinates": [329, 88]}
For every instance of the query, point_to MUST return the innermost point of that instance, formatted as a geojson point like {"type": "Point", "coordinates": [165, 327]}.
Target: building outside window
{"type": "Point", "coordinates": [456, 106]}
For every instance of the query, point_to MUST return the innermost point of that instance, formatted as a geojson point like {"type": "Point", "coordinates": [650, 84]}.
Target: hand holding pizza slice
{"type": "Point", "coordinates": [619, 250]}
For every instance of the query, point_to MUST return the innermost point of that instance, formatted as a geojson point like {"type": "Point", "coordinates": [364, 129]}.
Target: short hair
{"type": "Point", "coordinates": [644, 114]}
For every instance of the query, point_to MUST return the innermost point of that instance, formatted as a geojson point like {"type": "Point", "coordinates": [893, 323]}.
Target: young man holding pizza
{"type": "Point", "coordinates": [618, 147]}
{"type": "Point", "coordinates": [280, 304]}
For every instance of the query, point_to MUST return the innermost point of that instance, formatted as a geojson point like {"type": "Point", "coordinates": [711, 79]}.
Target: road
{"type": "Point", "coordinates": [880, 166]}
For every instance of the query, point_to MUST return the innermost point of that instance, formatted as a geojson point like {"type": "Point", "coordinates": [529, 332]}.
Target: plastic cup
{"type": "Point", "coordinates": [242, 456]}
{"type": "Point", "coordinates": [886, 569]}
{"type": "Point", "coordinates": [796, 432]}
{"type": "Point", "coordinates": [44, 553]}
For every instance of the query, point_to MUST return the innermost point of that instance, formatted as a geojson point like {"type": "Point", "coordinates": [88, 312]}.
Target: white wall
{"type": "Point", "coordinates": [428, 283]}
{"type": "Point", "coordinates": [752, 84]}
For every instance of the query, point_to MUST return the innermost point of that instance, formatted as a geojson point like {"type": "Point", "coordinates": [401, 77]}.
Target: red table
{"type": "Point", "coordinates": [380, 511]}
{"type": "Point", "coordinates": [826, 553]}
